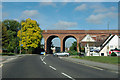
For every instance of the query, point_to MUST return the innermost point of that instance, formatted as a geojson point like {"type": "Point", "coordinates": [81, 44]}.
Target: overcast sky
{"type": "Point", "coordinates": [64, 15]}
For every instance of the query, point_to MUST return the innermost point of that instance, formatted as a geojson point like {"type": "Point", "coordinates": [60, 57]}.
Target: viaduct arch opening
{"type": "Point", "coordinates": [65, 39]}
{"type": "Point", "coordinates": [50, 43]}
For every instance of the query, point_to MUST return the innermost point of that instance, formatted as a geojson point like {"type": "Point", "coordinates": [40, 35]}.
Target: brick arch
{"type": "Point", "coordinates": [48, 42]}
{"type": "Point", "coordinates": [65, 38]}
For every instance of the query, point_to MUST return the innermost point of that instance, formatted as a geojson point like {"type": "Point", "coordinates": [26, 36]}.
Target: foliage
{"type": "Point", "coordinates": [73, 52]}
{"type": "Point", "coordinates": [8, 54]}
{"type": "Point", "coordinates": [82, 49]}
{"type": "Point", "coordinates": [30, 34]}
{"type": "Point", "coordinates": [113, 54]}
{"type": "Point", "coordinates": [5, 37]}
{"type": "Point", "coordinates": [12, 25]}
{"type": "Point", "coordinates": [10, 29]}
{"type": "Point", "coordinates": [73, 47]}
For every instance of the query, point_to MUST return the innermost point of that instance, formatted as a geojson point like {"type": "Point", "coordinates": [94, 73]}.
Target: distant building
{"type": "Point", "coordinates": [110, 43]}
{"type": "Point", "coordinates": [89, 43]}
{"type": "Point", "coordinates": [55, 49]}
{"type": "Point", "coordinates": [67, 49]}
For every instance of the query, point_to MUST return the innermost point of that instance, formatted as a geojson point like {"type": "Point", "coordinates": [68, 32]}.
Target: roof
{"type": "Point", "coordinates": [87, 38]}
{"type": "Point", "coordinates": [108, 39]}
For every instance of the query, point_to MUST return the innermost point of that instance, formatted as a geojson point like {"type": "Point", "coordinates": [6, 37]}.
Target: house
{"type": "Point", "coordinates": [111, 42]}
{"type": "Point", "coordinates": [55, 49]}
{"type": "Point", "coordinates": [89, 42]}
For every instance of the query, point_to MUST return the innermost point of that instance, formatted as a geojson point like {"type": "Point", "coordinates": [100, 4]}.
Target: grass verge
{"type": "Point", "coordinates": [103, 59]}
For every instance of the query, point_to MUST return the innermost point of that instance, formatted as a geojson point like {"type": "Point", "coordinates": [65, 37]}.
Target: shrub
{"type": "Point", "coordinates": [73, 52]}
{"type": "Point", "coordinates": [8, 54]}
{"type": "Point", "coordinates": [113, 54]}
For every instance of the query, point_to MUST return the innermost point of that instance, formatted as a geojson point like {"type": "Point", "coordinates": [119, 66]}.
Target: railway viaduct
{"type": "Point", "coordinates": [48, 35]}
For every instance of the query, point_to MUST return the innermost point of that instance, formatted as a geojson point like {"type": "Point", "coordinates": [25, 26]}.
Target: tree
{"type": "Point", "coordinates": [12, 27]}
{"type": "Point", "coordinates": [5, 38]}
{"type": "Point", "coordinates": [74, 46]}
{"type": "Point", "coordinates": [30, 34]}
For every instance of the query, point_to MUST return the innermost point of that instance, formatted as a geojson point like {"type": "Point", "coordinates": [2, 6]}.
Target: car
{"type": "Point", "coordinates": [61, 54]}
{"type": "Point", "coordinates": [42, 53]}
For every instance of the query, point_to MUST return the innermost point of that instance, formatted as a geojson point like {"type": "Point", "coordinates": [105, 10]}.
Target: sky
{"type": "Point", "coordinates": [64, 15]}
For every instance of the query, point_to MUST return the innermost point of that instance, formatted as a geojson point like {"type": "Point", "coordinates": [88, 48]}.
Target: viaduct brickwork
{"type": "Point", "coordinates": [48, 35]}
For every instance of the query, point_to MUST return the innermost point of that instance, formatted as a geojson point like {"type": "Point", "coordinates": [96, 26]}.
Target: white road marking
{"type": "Point", "coordinates": [67, 76]}
{"type": "Point", "coordinates": [1, 65]}
{"type": "Point", "coordinates": [44, 62]}
{"type": "Point", "coordinates": [42, 58]}
{"type": "Point", "coordinates": [52, 67]}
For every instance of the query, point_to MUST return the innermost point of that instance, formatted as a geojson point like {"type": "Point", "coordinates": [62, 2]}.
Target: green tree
{"type": "Point", "coordinates": [74, 46]}
{"type": "Point", "coordinates": [5, 38]}
{"type": "Point", "coordinates": [12, 27]}
{"type": "Point", "coordinates": [30, 34]}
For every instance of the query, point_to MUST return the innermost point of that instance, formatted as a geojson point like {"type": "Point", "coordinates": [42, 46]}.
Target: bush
{"type": "Point", "coordinates": [113, 54]}
{"type": "Point", "coordinates": [73, 52]}
{"type": "Point", "coordinates": [8, 54]}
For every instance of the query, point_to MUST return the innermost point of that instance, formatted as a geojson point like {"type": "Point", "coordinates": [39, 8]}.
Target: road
{"type": "Point", "coordinates": [39, 66]}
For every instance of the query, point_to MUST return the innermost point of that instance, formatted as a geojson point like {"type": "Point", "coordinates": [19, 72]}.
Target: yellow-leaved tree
{"type": "Point", "coordinates": [30, 34]}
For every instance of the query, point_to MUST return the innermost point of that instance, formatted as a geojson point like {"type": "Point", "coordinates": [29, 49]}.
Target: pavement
{"type": "Point", "coordinates": [112, 67]}
{"type": "Point", "coordinates": [4, 59]}
{"type": "Point", "coordinates": [50, 67]}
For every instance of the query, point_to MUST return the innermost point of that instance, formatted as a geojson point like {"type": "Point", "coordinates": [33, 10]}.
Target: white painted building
{"type": "Point", "coordinates": [111, 42]}
{"type": "Point", "coordinates": [89, 40]}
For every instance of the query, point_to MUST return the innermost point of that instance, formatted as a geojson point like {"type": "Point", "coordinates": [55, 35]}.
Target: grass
{"type": "Point", "coordinates": [103, 59]}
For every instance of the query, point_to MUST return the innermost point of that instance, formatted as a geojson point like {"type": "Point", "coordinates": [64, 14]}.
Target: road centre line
{"type": "Point", "coordinates": [67, 76]}
{"type": "Point", "coordinates": [44, 62]}
{"type": "Point", "coordinates": [52, 67]}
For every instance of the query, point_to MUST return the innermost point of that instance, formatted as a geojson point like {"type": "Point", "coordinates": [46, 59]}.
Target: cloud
{"type": "Point", "coordinates": [81, 7]}
{"type": "Point", "coordinates": [4, 14]}
{"type": "Point", "coordinates": [47, 4]}
{"type": "Point", "coordinates": [30, 13]}
{"type": "Point", "coordinates": [99, 8]}
{"type": "Point", "coordinates": [99, 18]}
{"type": "Point", "coordinates": [65, 25]}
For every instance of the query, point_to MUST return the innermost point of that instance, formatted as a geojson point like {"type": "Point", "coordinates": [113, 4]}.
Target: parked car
{"type": "Point", "coordinates": [61, 54]}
